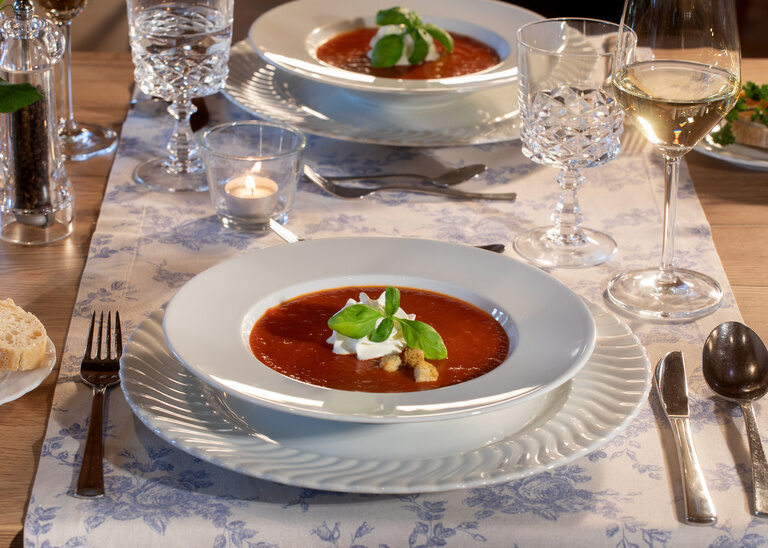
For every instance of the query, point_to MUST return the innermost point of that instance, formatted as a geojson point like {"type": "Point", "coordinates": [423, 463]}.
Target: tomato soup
{"type": "Point", "coordinates": [291, 339]}
{"type": "Point", "coordinates": [349, 52]}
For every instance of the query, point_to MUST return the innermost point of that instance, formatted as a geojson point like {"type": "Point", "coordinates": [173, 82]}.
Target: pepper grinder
{"type": "Point", "coordinates": [36, 199]}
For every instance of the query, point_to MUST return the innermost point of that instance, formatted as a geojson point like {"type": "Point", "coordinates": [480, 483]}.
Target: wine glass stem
{"type": "Point", "coordinates": [182, 149]}
{"type": "Point", "coordinates": [567, 215]}
{"type": "Point", "coordinates": [667, 275]}
{"type": "Point", "coordinates": [65, 104]}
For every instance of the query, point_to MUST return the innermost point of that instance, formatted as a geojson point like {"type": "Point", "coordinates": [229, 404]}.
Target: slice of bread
{"type": "Point", "coordinates": [747, 132]}
{"type": "Point", "coordinates": [22, 338]}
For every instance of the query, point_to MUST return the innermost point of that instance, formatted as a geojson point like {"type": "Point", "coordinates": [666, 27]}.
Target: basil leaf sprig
{"type": "Point", "coordinates": [16, 96]}
{"type": "Point", "coordinates": [388, 50]}
{"type": "Point", "coordinates": [359, 320]}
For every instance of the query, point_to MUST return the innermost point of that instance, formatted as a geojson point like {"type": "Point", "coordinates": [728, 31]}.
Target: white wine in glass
{"type": "Point", "coordinates": [678, 81]}
{"type": "Point", "coordinates": [78, 141]}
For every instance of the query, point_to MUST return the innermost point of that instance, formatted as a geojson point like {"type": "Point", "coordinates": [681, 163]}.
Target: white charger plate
{"type": "Point", "coordinates": [578, 417]}
{"type": "Point", "coordinates": [488, 116]}
{"type": "Point", "coordinates": [14, 384]}
{"type": "Point", "coordinates": [740, 155]}
{"type": "Point", "coordinates": [208, 322]}
{"type": "Point", "coordinates": [288, 35]}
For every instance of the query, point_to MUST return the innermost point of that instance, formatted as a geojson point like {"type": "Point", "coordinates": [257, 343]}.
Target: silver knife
{"type": "Point", "coordinates": [673, 393]}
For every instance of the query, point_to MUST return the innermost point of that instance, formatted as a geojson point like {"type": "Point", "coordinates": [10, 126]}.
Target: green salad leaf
{"type": "Point", "coordinates": [359, 320]}
{"type": "Point", "coordinates": [388, 49]}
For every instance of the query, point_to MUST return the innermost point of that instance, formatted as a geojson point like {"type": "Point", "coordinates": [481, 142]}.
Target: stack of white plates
{"type": "Point", "coordinates": [574, 377]}
{"type": "Point", "coordinates": [275, 75]}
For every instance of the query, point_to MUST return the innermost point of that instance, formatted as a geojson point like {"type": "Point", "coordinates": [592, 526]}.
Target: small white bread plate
{"type": "Point", "coordinates": [14, 384]}
{"type": "Point", "coordinates": [208, 322]}
{"type": "Point", "coordinates": [288, 35]}
{"type": "Point", "coordinates": [578, 417]}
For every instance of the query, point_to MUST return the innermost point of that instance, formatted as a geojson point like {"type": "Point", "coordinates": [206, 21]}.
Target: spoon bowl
{"type": "Point", "coordinates": [735, 366]}
{"type": "Point", "coordinates": [735, 362]}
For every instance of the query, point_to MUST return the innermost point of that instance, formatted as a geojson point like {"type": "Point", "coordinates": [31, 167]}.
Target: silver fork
{"type": "Point", "coordinates": [352, 193]}
{"type": "Point", "coordinates": [99, 372]}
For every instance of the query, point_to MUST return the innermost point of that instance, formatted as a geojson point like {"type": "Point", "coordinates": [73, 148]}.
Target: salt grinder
{"type": "Point", "coordinates": [37, 203]}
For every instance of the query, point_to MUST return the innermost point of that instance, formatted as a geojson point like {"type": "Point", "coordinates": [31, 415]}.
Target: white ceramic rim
{"type": "Point", "coordinates": [208, 321]}
{"type": "Point", "coordinates": [263, 90]}
{"type": "Point", "coordinates": [288, 35]}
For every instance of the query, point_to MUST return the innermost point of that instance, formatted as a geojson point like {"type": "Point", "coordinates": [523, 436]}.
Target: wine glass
{"type": "Point", "coordinates": [180, 50]}
{"type": "Point", "coordinates": [570, 120]}
{"type": "Point", "coordinates": [77, 141]}
{"type": "Point", "coordinates": [679, 80]}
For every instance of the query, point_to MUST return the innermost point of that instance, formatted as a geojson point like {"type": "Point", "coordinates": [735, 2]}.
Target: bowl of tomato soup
{"type": "Point", "coordinates": [538, 333]}
{"type": "Point", "coordinates": [325, 41]}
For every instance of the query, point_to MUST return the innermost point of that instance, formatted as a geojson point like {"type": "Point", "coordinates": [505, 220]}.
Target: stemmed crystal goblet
{"type": "Point", "coordinates": [570, 120]}
{"type": "Point", "coordinates": [676, 83]}
{"type": "Point", "coordinates": [180, 50]}
{"type": "Point", "coordinates": [77, 141]}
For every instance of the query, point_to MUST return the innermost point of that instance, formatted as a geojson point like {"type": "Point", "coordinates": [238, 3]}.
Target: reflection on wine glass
{"type": "Point", "coordinates": [180, 50]}
{"type": "Point", "coordinates": [78, 141]}
{"type": "Point", "coordinates": [679, 80]}
{"type": "Point", "coordinates": [569, 120]}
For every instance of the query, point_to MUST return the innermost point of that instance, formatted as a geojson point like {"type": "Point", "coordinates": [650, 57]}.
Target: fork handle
{"type": "Point", "coordinates": [90, 483]}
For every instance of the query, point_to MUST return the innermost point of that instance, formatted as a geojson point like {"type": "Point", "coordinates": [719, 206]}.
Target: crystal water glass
{"type": "Point", "coordinates": [180, 50]}
{"type": "Point", "coordinates": [569, 120]}
{"type": "Point", "coordinates": [78, 141]}
{"type": "Point", "coordinates": [676, 83]}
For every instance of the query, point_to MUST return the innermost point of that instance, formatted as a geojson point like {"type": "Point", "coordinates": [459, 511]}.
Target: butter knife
{"type": "Point", "coordinates": [673, 392]}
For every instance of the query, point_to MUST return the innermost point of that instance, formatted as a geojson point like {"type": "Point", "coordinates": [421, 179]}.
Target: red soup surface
{"type": "Point", "coordinates": [290, 338]}
{"type": "Point", "coordinates": [349, 52]}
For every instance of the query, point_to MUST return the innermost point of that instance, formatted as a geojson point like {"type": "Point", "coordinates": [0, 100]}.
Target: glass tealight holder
{"type": "Point", "coordinates": [252, 169]}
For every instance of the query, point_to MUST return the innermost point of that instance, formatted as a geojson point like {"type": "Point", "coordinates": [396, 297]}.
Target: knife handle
{"type": "Point", "coordinates": [699, 508]}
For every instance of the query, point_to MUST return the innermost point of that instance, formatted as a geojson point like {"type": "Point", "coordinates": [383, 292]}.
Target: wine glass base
{"type": "Point", "coordinates": [640, 292]}
{"type": "Point", "coordinates": [155, 174]}
{"type": "Point", "coordinates": [85, 141]}
{"type": "Point", "coordinates": [537, 246]}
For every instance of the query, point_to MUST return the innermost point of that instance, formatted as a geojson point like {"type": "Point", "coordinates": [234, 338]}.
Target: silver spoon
{"type": "Point", "coordinates": [735, 365]}
{"type": "Point", "coordinates": [352, 193]}
{"type": "Point", "coordinates": [449, 178]}
{"type": "Point", "coordinates": [291, 237]}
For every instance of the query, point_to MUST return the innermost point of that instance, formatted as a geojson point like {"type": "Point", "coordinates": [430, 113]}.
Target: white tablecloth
{"type": "Point", "coordinates": [147, 245]}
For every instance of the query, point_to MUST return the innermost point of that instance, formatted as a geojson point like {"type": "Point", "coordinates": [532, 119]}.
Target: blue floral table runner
{"type": "Point", "coordinates": [146, 245]}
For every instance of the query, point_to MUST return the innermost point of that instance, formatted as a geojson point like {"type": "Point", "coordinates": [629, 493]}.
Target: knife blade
{"type": "Point", "coordinates": [672, 388]}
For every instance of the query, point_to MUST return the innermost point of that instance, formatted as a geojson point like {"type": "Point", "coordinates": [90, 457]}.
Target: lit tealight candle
{"type": "Point", "coordinates": [250, 196]}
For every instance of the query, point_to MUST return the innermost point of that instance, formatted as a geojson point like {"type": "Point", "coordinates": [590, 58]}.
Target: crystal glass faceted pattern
{"type": "Point", "coordinates": [180, 51]}
{"type": "Point", "coordinates": [569, 120]}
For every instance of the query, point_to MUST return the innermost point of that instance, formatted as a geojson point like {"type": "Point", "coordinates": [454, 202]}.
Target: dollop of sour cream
{"type": "Point", "coordinates": [364, 348]}
{"type": "Point", "coordinates": [386, 30]}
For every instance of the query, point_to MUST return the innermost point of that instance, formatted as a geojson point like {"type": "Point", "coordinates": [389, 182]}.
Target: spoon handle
{"type": "Point", "coordinates": [699, 508]}
{"type": "Point", "coordinates": [759, 466]}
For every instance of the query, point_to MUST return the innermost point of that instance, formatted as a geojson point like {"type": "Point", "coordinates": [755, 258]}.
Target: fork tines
{"type": "Point", "coordinates": [108, 354]}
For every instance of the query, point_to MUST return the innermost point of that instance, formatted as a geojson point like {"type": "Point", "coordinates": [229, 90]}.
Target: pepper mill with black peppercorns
{"type": "Point", "coordinates": [36, 199]}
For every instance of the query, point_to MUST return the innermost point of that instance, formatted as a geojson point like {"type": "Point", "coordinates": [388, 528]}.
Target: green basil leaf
{"type": "Point", "coordinates": [394, 16]}
{"type": "Point", "coordinates": [420, 46]}
{"type": "Point", "coordinates": [387, 51]}
{"type": "Point", "coordinates": [440, 35]}
{"type": "Point", "coordinates": [421, 335]}
{"type": "Point", "coordinates": [16, 96]}
{"type": "Point", "coordinates": [354, 321]}
{"type": "Point", "coordinates": [392, 300]}
{"type": "Point", "coordinates": [382, 331]}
